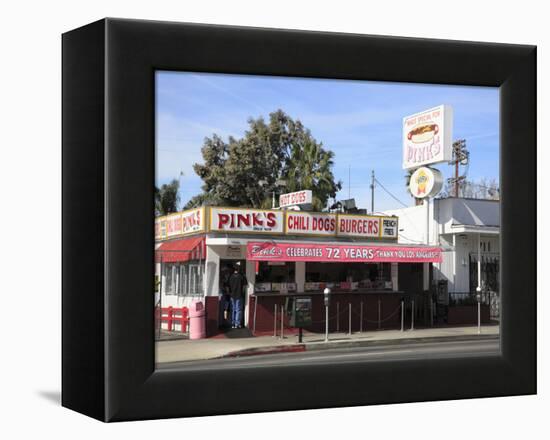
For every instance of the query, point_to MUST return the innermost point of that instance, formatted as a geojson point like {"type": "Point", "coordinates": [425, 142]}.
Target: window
{"type": "Point", "coordinates": [169, 272]}
{"type": "Point", "coordinates": [183, 278]}
{"type": "Point", "coordinates": [373, 275]}
{"type": "Point", "coordinates": [195, 279]}
{"type": "Point", "coordinates": [275, 272]}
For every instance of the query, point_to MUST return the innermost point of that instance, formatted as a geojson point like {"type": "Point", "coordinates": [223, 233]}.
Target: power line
{"type": "Point", "coordinates": [389, 193]}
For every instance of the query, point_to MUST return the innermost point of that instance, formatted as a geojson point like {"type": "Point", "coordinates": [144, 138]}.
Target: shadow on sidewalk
{"type": "Point", "coordinates": [234, 333]}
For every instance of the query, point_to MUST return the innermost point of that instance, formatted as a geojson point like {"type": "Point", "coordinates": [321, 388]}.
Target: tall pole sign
{"type": "Point", "coordinates": [427, 140]}
{"type": "Point", "coordinates": [427, 137]}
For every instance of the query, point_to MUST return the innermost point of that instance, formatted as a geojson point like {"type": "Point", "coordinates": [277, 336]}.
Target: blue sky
{"type": "Point", "coordinates": [361, 121]}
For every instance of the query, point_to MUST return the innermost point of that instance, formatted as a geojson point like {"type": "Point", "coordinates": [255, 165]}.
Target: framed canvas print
{"type": "Point", "coordinates": [261, 220]}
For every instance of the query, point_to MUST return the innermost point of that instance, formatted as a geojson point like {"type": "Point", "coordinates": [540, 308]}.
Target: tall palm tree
{"type": "Point", "coordinates": [310, 167]}
{"type": "Point", "coordinates": [167, 198]}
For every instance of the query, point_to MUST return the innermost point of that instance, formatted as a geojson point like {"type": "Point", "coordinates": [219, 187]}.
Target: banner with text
{"type": "Point", "coordinates": [265, 251]}
{"type": "Point", "coordinates": [180, 223]}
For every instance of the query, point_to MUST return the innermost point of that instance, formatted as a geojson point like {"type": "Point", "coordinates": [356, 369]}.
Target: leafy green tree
{"type": "Point", "coordinates": [245, 172]}
{"type": "Point", "coordinates": [167, 198]}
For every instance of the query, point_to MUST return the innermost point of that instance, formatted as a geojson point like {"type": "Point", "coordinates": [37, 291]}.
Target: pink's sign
{"type": "Point", "coordinates": [265, 251]}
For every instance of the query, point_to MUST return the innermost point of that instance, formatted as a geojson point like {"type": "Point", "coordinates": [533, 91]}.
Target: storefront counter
{"type": "Point", "coordinates": [338, 292]}
{"type": "Point", "coordinates": [369, 310]}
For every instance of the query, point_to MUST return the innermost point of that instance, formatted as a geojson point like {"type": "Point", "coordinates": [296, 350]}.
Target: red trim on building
{"type": "Point", "coordinates": [182, 250]}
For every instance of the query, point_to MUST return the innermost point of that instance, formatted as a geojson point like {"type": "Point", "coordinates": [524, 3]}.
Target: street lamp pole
{"type": "Point", "coordinates": [478, 289]}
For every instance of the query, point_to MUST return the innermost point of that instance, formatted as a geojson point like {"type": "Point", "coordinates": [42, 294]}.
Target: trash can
{"type": "Point", "coordinates": [197, 321]}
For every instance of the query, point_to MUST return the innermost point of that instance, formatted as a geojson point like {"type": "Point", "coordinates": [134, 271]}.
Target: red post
{"type": "Point", "coordinates": [170, 317]}
{"type": "Point", "coordinates": [184, 319]}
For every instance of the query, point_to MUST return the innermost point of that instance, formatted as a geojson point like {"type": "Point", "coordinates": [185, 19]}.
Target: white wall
{"type": "Point", "coordinates": [412, 224]}
{"type": "Point", "coordinates": [443, 214]}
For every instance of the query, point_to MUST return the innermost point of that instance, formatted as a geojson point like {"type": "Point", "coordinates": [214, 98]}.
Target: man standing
{"type": "Point", "coordinates": [237, 283]}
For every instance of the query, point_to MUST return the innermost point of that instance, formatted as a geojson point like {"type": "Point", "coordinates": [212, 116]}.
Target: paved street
{"type": "Point", "coordinates": [404, 351]}
{"type": "Point", "coordinates": [210, 348]}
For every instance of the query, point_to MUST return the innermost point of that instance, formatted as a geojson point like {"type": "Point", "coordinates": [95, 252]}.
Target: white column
{"type": "Point", "coordinates": [427, 203]}
{"type": "Point", "coordinates": [251, 278]}
{"type": "Point", "coordinates": [394, 276]}
{"type": "Point", "coordinates": [300, 271]}
{"type": "Point", "coordinates": [479, 261]}
{"type": "Point", "coordinates": [212, 275]}
{"type": "Point", "coordinates": [455, 256]}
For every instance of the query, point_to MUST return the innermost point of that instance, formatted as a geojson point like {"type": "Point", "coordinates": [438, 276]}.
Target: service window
{"type": "Point", "coordinates": [276, 272]}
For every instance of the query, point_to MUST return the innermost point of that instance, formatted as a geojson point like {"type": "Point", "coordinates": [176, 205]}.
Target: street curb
{"type": "Point", "coordinates": [318, 346]}
{"type": "Point", "coordinates": [294, 348]}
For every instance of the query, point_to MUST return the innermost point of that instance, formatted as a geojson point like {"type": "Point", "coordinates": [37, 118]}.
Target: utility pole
{"type": "Point", "coordinates": [349, 182]}
{"type": "Point", "coordinates": [460, 157]}
{"type": "Point", "coordinates": [372, 192]}
{"type": "Point", "coordinates": [456, 178]}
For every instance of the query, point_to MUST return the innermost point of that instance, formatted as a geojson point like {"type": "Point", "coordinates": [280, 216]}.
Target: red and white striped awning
{"type": "Point", "coordinates": [185, 249]}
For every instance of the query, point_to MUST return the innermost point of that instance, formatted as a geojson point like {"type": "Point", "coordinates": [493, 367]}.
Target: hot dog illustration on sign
{"type": "Point", "coordinates": [427, 137]}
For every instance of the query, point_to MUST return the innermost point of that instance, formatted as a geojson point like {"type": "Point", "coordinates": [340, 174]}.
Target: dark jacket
{"type": "Point", "coordinates": [236, 283]}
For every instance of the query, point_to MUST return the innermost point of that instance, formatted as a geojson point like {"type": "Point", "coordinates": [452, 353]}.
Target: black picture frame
{"type": "Point", "coordinates": [108, 174]}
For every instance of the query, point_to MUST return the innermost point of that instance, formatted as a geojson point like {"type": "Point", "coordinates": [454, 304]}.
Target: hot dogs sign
{"type": "Point", "coordinates": [427, 137]}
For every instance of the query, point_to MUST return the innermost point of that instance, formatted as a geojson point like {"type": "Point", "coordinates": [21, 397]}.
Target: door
{"type": "Point", "coordinates": [227, 267]}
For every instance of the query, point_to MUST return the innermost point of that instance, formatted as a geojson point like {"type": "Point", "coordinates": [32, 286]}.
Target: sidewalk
{"type": "Point", "coordinates": [187, 350]}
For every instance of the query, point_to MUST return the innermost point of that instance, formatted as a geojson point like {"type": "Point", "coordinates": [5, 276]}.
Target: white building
{"type": "Point", "coordinates": [464, 228]}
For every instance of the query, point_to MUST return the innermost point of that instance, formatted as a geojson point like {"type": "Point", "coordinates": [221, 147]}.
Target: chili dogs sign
{"type": "Point", "coordinates": [246, 220]}
{"type": "Point", "coordinates": [310, 223]}
{"type": "Point", "coordinates": [428, 137]}
{"type": "Point", "coordinates": [180, 223]}
{"type": "Point", "coordinates": [258, 251]}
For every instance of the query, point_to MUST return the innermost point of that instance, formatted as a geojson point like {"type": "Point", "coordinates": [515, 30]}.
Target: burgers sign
{"type": "Point", "coordinates": [427, 137]}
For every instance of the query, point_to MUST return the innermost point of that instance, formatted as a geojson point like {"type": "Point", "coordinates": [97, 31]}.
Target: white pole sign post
{"type": "Point", "coordinates": [428, 137]}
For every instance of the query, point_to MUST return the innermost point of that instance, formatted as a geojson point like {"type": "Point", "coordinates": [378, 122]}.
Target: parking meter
{"type": "Point", "coordinates": [327, 303]}
{"type": "Point", "coordinates": [327, 296]}
{"type": "Point", "coordinates": [478, 296]}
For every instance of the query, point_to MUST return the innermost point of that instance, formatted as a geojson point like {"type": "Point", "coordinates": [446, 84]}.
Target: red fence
{"type": "Point", "coordinates": [173, 315]}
